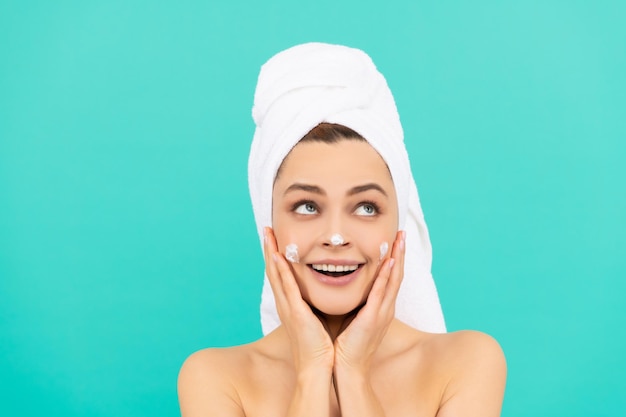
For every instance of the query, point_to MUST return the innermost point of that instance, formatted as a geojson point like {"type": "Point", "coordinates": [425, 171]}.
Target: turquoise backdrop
{"type": "Point", "coordinates": [127, 239]}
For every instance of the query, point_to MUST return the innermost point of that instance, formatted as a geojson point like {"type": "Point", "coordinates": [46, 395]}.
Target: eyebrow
{"type": "Point", "coordinates": [352, 191]}
{"type": "Point", "coordinates": [366, 187]}
{"type": "Point", "coordinates": [296, 186]}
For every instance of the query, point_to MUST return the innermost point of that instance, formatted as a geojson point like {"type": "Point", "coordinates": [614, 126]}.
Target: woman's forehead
{"type": "Point", "coordinates": [346, 162]}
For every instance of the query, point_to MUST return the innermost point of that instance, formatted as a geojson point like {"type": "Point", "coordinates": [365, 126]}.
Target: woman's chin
{"type": "Point", "coordinates": [334, 301]}
{"type": "Point", "coordinates": [335, 307]}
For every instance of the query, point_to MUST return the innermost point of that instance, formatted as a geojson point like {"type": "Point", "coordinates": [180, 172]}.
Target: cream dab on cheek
{"type": "Point", "coordinates": [384, 247]}
{"type": "Point", "coordinates": [291, 253]}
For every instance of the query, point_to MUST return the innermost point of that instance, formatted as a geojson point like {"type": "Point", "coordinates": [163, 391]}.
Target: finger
{"type": "Point", "coordinates": [291, 297]}
{"type": "Point", "coordinates": [397, 272]}
{"type": "Point", "coordinates": [288, 284]}
{"type": "Point", "coordinates": [292, 292]}
{"type": "Point", "coordinates": [271, 270]}
{"type": "Point", "coordinates": [377, 292]}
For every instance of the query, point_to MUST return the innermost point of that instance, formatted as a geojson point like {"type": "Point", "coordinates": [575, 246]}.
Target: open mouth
{"type": "Point", "coordinates": [334, 270]}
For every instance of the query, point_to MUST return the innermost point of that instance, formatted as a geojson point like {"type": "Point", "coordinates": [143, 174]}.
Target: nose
{"type": "Point", "coordinates": [334, 233]}
{"type": "Point", "coordinates": [335, 240]}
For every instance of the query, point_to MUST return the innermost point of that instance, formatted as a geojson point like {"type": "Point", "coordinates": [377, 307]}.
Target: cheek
{"type": "Point", "coordinates": [375, 242]}
{"type": "Point", "coordinates": [294, 240]}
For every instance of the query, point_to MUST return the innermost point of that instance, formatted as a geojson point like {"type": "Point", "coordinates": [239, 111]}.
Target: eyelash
{"type": "Point", "coordinates": [301, 203]}
{"type": "Point", "coordinates": [373, 205]}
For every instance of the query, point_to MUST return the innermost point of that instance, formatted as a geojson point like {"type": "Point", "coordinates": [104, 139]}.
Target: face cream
{"type": "Point", "coordinates": [336, 239]}
{"type": "Point", "coordinates": [384, 247]}
{"type": "Point", "coordinates": [291, 253]}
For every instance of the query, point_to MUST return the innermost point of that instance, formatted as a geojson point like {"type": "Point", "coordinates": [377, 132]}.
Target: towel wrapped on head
{"type": "Point", "coordinates": [314, 83]}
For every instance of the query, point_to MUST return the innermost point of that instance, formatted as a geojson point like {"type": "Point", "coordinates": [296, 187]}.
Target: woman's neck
{"type": "Point", "coordinates": [336, 324]}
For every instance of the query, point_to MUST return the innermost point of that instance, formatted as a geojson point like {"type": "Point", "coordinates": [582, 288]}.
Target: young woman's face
{"type": "Point", "coordinates": [322, 190]}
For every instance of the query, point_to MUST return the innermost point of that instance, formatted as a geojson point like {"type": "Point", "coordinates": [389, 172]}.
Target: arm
{"type": "Point", "coordinates": [355, 394]}
{"type": "Point", "coordinates": [311, 396]}
{"type": "Point", "coordinates": [476, 387]}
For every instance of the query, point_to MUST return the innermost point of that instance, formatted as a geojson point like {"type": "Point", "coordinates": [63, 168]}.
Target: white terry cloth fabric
{"type": "Point", "coordinates": [313, 83]}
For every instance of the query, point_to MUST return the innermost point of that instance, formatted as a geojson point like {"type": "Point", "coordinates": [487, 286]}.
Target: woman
{"type": "Point", "coordinates": [329, 173]}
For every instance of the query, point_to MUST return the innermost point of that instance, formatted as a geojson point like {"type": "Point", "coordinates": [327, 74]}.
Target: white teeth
{"type": "Point", "coordinates": [335, 268]}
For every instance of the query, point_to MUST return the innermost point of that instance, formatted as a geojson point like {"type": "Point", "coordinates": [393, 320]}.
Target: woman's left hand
{"type": "Point", "coordinates": [356, 345]}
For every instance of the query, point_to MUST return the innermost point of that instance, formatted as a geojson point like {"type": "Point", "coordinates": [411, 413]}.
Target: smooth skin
{"type": "Point", "coordinates": [342, 355]}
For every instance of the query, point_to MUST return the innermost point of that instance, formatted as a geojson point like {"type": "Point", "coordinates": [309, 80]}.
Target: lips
{"type": "Point", "coordinates": [335, 273]}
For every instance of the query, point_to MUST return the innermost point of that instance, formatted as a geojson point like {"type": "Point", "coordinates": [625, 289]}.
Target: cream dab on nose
{"type": "Point", "coordinates": [336, 239]}
{"type": "Point", "coordinates": [291, 253]}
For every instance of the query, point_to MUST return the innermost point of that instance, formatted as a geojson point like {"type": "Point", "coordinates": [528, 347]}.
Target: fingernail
{"type": "Point", "coordinates": [391, 263]}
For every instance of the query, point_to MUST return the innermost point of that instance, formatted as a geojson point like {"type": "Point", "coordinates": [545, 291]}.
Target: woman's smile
{"type": "Point", "coordinates": [331, 274]}
{"type": "Point", "coordinates": [335, 271]}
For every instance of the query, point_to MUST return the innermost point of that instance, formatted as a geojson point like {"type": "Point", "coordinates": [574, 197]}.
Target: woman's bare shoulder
{"type": "Point", "coordinates": [465, 344]}
{"type": "Point", "coordinates": [444, 347]}
{"type": "Point", "coordinates": [211, 373]}
{"type": "Point", "coordinates": [213, 381]}
{"type": "Point", "coordinates": [475, 369]}
{"type": "Point", "coordinates": [209, 363]}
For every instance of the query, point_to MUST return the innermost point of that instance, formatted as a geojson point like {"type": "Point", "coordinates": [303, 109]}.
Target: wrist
{"type": "Point", "coordinates": [355, 387]}
{"type": "Point", "coordinates": [310, 393]}
{"type": "Point", "coordinates": [353, 373]}
{"type": "Point", "coordinates": [313, 374]}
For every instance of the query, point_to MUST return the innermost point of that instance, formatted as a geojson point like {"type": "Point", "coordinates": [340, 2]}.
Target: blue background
{"type": "Point", "coordinates": [127, 239]}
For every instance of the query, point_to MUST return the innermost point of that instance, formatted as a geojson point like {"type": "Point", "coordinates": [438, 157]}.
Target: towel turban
{"type": "Point", "coordinates": [313, 83]}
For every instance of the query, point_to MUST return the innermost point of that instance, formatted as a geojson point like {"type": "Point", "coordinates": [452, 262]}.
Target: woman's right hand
{"type": "Point", "coordinates": [311, 345]}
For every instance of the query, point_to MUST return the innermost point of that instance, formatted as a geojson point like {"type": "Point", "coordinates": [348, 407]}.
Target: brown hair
{"type": "Point", "coordinates": [326, 133]}
{"type": "Point", "coordinates": [331, 133]}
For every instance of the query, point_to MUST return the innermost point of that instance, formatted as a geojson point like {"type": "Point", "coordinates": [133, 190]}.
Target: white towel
{"type": "Point", "coordinates": [313, 83]}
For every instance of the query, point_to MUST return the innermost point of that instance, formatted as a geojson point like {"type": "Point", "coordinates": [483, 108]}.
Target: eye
{"type": "Point", "coordinates": [366, 209]}
{"type": "Point", "coordinates": [305, 208]}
